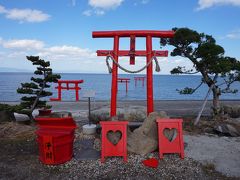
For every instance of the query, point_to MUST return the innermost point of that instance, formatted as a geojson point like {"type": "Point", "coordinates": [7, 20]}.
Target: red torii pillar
{"type": "Point", "coordinates": [149, 53]}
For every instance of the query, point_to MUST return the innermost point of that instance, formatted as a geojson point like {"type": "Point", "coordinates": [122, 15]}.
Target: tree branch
{"type": "Point", "coordinates": [188, 90]}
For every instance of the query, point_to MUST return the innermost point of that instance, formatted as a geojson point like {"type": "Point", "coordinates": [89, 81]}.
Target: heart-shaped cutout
{"type": "Point", "coordinates": [114, 137]}
{"type": "Point", "coordinates": [170, 134]}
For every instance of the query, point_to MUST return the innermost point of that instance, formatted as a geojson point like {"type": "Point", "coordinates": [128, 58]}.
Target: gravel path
{"type": "Point", "coordinates": [114, 168]}
{"type": "Point", "coordinates": [223, 152]}
{"type": "Point", "coordinates": [19, 160]}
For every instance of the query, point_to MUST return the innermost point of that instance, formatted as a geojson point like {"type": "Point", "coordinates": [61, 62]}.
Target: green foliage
{"type": "Point", "coordinates": [25, 91]}
{"type": "Point", "coordinates": [10, 108]}
{"type": "Point", "coordinates": [207, 57]}
{"type": "Point", "coordinates": [37, 88]}
{"type": "Point", "coordinates": [30, 85]}
{"type": "Point", "coordinates": [182, 70]}
{"type": "Point", "coordinates": [6, 107]}
{"type": "Point", "coordinates": [186, 90]}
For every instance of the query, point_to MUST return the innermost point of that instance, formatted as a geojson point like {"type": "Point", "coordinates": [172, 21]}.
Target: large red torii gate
{"type": "Point", "coordinates": [149, 53]}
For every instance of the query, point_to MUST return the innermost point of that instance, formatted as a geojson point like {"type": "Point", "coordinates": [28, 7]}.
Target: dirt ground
{"type": "Point", "coordinates": [19, 160]}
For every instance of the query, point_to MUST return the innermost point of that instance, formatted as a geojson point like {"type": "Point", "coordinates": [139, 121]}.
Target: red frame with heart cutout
{"type": "Point", "coordinates": [108, 148]}
{"type": "Point", "coordinates": [165, 145]}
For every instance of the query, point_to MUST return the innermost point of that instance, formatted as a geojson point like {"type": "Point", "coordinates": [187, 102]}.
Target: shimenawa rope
{"type": "Point", "coordinates": [109, 56]}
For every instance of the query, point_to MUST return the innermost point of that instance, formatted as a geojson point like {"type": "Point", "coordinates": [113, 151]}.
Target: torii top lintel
{"type": "Point", "coordinates": [132, 34]}
{"type": "Point", "coordinates": [128, 33]}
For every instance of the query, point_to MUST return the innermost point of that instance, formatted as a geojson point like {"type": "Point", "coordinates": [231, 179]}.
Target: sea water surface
{"type": "Point", "coordinates": [164, 87]}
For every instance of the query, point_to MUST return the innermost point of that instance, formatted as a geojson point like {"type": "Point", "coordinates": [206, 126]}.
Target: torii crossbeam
{"type": "Point", "coordinates": [132, 53]}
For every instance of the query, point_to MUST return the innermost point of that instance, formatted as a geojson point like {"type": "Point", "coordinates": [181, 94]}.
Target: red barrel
{"type": "Point", "coordinates": [55, 146]}
{"type": "Point", "coordinates": [50, 122]}
{"type": "Point", "coordinates": [55, 139]}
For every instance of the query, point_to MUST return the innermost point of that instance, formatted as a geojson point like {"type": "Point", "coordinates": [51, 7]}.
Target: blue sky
{"type": "Point", "coordinates": [60, 31]}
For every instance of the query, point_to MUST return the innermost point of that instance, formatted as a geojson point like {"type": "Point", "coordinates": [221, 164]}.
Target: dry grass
{"type": "Point", "coordinates": [13, 130]}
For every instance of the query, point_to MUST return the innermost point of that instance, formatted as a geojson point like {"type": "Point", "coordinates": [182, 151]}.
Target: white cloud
{"type": "Point", "coordinates": [100, 6]}
{"type": "Point", "coordinates": [39, 47]}
{"type": "Point", "coordinates": [105, 4]}
{"type": "Point", "coordinates": [63, 58]}
{"type": "Point", "coordinates": [28, 15]}
{"type": "Point", "coordinates": [141, 2]}
{"type": "Point", "coordinates": [17, 54]}
{"type": "Point", "coordinates": [234, 35]}
{"type": "Point", "coordinates": [2, 9]}
{"type": "Point", "coordinates": [66, 52]}
{"type": "Point", "coordinates": [90, 12]}
{"type": "Point", "coordinates": [204, 4]}
{"type": "Point", "coordinates": [66, 58]}
{"type": "Point", "coordinates": [145, 1]}
{"type": "Point", "coordinates": [87, 12]}
{"type": "Point", "coordinates": [99, 12]}
{"type": "Point", "coordinates": [24, 15]}
{"type": "Point", "coordinates": [24, 44]}
{"type": "Point", "coordinates": [73, 2]}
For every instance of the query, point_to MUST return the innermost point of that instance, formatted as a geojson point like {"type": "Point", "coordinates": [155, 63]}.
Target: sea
{"type": "Point", "coordinates": [164, 87]}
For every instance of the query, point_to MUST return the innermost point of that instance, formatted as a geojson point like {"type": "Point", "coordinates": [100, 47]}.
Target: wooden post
{"type": "Point", "coordinates": [126, 86]}
{"type": "Point", "coordinates": [150, 107]}
{"type": "Point", "coordinates": [114, 78]}
{"type": "Point", "coordinates": [77, 93]}
{"type": "Point", "coordinates": [59, 91]}
{"type": "Point", "coordinates": [132, 49]}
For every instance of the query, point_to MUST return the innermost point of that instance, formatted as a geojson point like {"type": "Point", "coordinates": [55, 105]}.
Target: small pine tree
{"type": "Point", "coordinates": [36, 88]}
{"type": "Point", "coordinates": [208, 60]}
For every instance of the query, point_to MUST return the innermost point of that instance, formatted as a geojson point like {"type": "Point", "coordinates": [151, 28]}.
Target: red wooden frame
{"type": "Point", "coordinates": [165, 146]}
{"type": "Point", "coordinates": [67, 87]}
{"type": "Point", "coordinates": [139, 78]}
{"type": "Point", "coordinates": [149, 53]}
{"type": "Point", "coordinates": [109, 149]}
{"type": "Point", "coordinates": [124, 80]}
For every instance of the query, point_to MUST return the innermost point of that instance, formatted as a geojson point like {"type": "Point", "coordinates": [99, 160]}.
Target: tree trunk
{"type": "Point", "coordinates": [31, 117]}
{"type": "Point", "coordinates": [216, 103]}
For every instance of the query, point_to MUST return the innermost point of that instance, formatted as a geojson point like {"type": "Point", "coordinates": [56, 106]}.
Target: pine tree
{"type": "Point", "coordinates": [36, 89]}
{"type": "Point", "coordinates": [208, 60]}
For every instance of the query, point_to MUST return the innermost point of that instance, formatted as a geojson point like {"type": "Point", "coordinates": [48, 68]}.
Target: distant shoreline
{"type": "Point", "coordinates": [178, 108]}
{"type": "Point", "coordinates": [138, 100]}
{"type": "Point", "coordinates": [104, 73]}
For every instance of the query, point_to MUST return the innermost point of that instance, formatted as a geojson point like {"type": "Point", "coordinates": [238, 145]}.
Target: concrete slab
{"type": "Point", "coordinates": [86, 150]}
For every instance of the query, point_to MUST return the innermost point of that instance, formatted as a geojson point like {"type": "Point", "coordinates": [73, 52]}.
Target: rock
{"type": "Point", "coordinates": [101, 114]}
{"type": "Point", "coordinates": [61, 114]}
{"type": "Point", "coordinates": [6, 116]}
{"type": "Point", "coordinates": [227, 109]}
{"type": "Point", "coordinates": [144, 139]}
{"type": "Point", "coordinates": [22, 118]}
{"type": "Point", "coordinates": [208, 130]}
{"type": "Point", "coordinates": [128, 113]}
{"type": "Point", "coordinates": [235, 120]}
{"type": "Point", "coordinates": [135, 113]}
{"type": "Point", "coordinates": [232, 111]}
{"type": "Point", "coordinates": [235, 111]}
{"type": "Point", "coordinates": [89, 129]}
{"type": "Point", "coordinates": [97, 144]}
{"type": "Point", "coordinates": [228, 129]}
